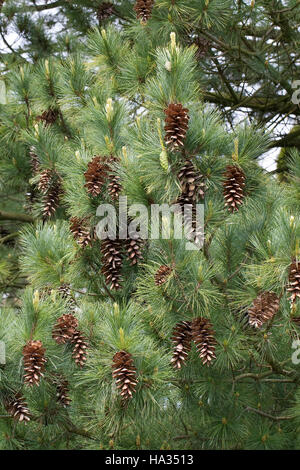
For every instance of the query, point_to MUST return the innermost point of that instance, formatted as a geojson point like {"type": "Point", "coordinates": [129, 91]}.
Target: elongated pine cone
{"type": "Point", "coordinates": [80, 348]}
{"type": "Point", "coordinates": [182, 337]}
{"type": "Point", "coordinates": [112, 262]}
{"type": "Point", "coordinates": [162, 274]}
{"type": "Point", "coordinates": [80, 231]}
{"type": "Point", "coordinates": [48, 117]}
{"type": "Point", "coordinates": [52, 198]}
{"type": "Point", "coordinates": [45, 180]}
{"type": "Point", "coordinates": [143, 9]}
{"type": "Point", "coordinates": [34, 161]}
{"type": "Point", "coordinates": [105, 10]}
{"type": "Point", "coordinates": [264, 307]}
{"type": "Point", "coordinates": [96, 175]}
{"type": "Point", "coordinates": [124, 374]}
{"type": "Point", "coordinates": [294, 281]}
{"type": "Point", "coordinates": [65, 328]}
{"type": "Point", "coordinates": [203, 45]}
{"type": "Point", "coordinates": [17, 407]}
{"type": "Point", "coordinates": [176, 125]}
{"type": "Point", "coordinates": [192, 183]}
{"type": "Point", "coordinates": [134, 246]}
{"type": "Point", "coordinates": [114, 186]}
{"type": "Point", "coordinates": [233, 185]}
{"type": "Point", "coordinates": [34, 362]}
{"type": "Point", "coordinates": [203, 337]}
{"type": "Point", "coordinates": [62, 391]}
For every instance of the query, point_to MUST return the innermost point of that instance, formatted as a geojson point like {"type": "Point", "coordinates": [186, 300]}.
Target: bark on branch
{"type": "Point", "coordinates": [15, 216]}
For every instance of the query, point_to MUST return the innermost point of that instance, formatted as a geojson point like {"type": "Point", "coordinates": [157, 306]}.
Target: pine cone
{"type": "Point", "coordinates": [62, 390]}
{"type": "Point", "coordinates": [80, 231]}
{"type": "Point", "coordinates": [182, 337]}
{"type": "Point", "coordinates": [192, 183]}
{"type": "Point", "coordinates": [124, 373]}
{"type": "Point", "coordinates": [176, 125]}
{"type": "Point", "coordinates": [45, 180]}
{"type": "Point", "coordinates": [80, 348]}
{"type": "Point", "coordinates": [65, 328]}
{"type": "Point", "coordinates": [105, 10]}
{"type": "Point", "coordinates": [65, 292]}
{"type": "Point", "coordinates": [112, 262]}
{"type": "Point", "coordinates": [264, 307]}
{"type": "Point", "coordinates": [203, 337]}
{"type": "Point", "coordinates": [34, 161]}
{"type": "Point", "coordinates": [16, 406]}
{"type": "Point", "coordinates": [34, 362]}
{"type": "Point", "coordinates": [48, 117]}
{"type": "Point", "coordinates": [294, 281]}
{"type": "Point", "coordinates": [133, 247]}
{"type": "Point", "coordinates": [114, 187]}
{"type": "Point", "coordinates": [203, 46]}
{"type": "Point", "coordinates": [52, 198]}
{"type": "Point", "coordinates": [143, 9]}
{"type": "Point", "coordinates": [96, 175]}
{"type": "Point", "coordinates": [162, 274]}
{"type": "Point", "coordinates": [233, 187]}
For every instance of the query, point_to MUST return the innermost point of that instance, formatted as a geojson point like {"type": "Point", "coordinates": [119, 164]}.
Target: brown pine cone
{"type": "Point", "coordinates": [80, 348]}
{"type": "Point", "coordinates": [34, 161]}
{"type": "Point", "coordinates": [96, 175]}
{"type": "Point", "coordinates": [112, 262]}
{"type": "Point", "coordinates": [143, 9]}
{"type": "Point", "coordinates": [52, 198]}
{"type": "Point", "coordinates": [294, 281]}
{"type": "Point", "coordinates": [133, 247]}
{"type": "Point", "coordinates": [114, 186]}
{"type": "Point", "coordinates": [192, 183]}
{"type": "Point", "coordinates": [62, 390]}
{"type": "Point", "coordinates": [104, 11]}
{"type": "Point", "coordinates": [80, 231]}
{"type": "Point", "coordinates": [124, 374]}
{"type": "Point", "coordinates": [34, 362]}
{"type": "Point", "coordinates": [182, 337]}
{"type": "Point", "coordinates": [176, 125]}
{"type": "Point", "coordinates": [17, 407]}
{"type": "Point", "coordinates": [203, 337]}
{"type": "Point", "coordinates": [45, 180]}
{"type": "Point", "coordinates": [234, 185]}
{"type": "Point", "coordinates": [264, 307]}
{"type": "Point", "coordinates": [65, 328]}
{"type": "Point", "coordinates": [48, 117]}
{"type": "Point", "coordinates": [162, 274]}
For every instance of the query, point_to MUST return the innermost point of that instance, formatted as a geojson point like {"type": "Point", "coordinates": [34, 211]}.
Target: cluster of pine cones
{"type": "Point", "coordinates": [113, 252]}
{"type": "Point", "coordinates": [142, 8]}
{"type": "Point", "coordinates": [49, 187]}
{"type": "Point", "coordinates": [100, 171]}
{"type": "Point", "coordinates": [198, 330]}
{"type": "Point", "coordinates": [66, 330]}
{"type": "Point", "coordinates": [34, 359]}
{"type": "Point", "coordinates": [191, 181]}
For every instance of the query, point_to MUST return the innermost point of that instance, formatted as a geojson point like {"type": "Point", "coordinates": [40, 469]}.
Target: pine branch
{"type": "Point", "coordinates": [267, 415]}
{"type": "Point", "coordinates": [15, 216]}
